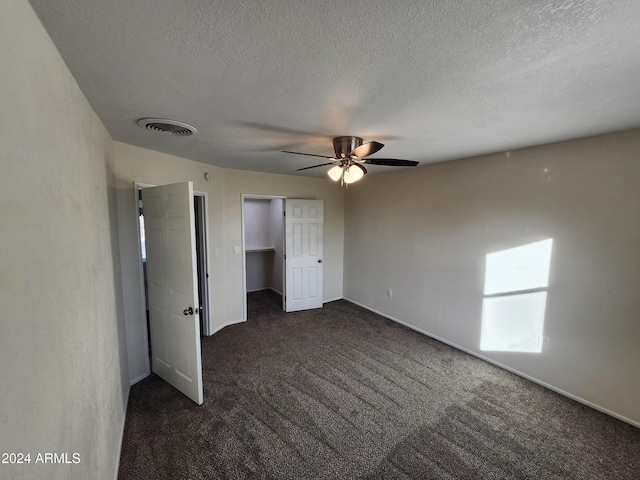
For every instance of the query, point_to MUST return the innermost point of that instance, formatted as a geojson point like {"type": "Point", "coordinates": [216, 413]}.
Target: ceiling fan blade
{"type": "Point", "coordinates": [391, 162]}
{"type": "Point", "coordinates": [367, 149]}
{"type": "Point", "coordinates": [321, 165]}
{"type": "Point", "coordinates": [307, 154]}
{"type": "Point", "coordinates": [361, 167]}
{"type": "Point", "coordinates": [283, 130]}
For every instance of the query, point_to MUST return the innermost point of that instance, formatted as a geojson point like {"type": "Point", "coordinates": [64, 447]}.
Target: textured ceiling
{"type": "Point", "coordinates": [433, 80]}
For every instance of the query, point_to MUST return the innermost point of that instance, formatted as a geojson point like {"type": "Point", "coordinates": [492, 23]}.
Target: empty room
{"type": "Point", "coordinates": [363, 239]}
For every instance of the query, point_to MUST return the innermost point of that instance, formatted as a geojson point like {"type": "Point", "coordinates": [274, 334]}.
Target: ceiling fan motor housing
{"type": "Point", "coordinates": [343, 146]}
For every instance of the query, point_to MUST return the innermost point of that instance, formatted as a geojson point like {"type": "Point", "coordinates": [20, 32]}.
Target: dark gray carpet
{"type": "Point", "coordinates": [343, 393]}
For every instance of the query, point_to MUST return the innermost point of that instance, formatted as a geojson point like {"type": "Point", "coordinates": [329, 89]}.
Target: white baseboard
{"type": "Point", "coordinates": [263, 289]}
{"type": "Point", "coordinates": [259, 289]}
{"type": "Point", "coordinates": [226, 325]}
{"type": "Point", "coordinates": [138, 379]}
{"type": "Point", "coordinates": [327, 300]}
{"type": "Point", "coordinates": [124, 422]}
{"type": "Point", "coordinates": [504, 367]}
{"type": "Point", "coordinates": [333, 299]}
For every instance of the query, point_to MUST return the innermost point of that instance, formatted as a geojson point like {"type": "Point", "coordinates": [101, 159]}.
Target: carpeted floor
{"type": "Point", "coordinates": [343, 393]}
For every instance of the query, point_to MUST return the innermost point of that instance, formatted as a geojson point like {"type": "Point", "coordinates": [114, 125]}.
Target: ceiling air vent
{"type": "Point", "coordinates": [171, 127]}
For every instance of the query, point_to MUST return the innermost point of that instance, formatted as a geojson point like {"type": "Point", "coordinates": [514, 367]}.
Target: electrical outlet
{"type": "Point", "coordinates": [216, 252]}
{"type": "Point", "coordinates": [389, 293]}
{"type": "Point", "coordinates": [236, 250]}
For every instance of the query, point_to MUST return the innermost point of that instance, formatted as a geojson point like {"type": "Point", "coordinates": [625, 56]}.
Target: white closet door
{"type": "Point", "coordinates": [303, 254]}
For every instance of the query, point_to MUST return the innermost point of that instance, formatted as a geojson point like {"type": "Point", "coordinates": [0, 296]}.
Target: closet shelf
{"type": "Point", "coordinates": [260, 250]}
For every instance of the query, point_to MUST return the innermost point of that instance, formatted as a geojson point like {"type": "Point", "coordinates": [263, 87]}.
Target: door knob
{"type": "Point", "coordinates": [319, 260]}
{"type": "Point", "coordinates": [188, 311]}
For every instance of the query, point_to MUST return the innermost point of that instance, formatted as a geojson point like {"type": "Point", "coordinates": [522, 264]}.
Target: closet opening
{"type": "Point", "coordinates": [263, 248]}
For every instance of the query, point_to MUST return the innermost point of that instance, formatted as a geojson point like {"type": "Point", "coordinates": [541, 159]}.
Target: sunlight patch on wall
{"type": "Point", "coordinates": [143, 244]}
{"type": "Point", "coordinates": [515, 289]}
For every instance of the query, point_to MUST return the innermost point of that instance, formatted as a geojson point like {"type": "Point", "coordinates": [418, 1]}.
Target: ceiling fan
{"type": "Point", "coordinates": [348, 164]}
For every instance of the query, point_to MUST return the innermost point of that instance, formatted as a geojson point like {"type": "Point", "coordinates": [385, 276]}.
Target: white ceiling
{"type": "Point", "coordinates": [433, 80]}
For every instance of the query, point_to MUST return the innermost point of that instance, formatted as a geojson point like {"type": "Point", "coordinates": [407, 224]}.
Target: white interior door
{"type": "Point", "coordinates": [303, 254]}
{"type": "Point", "coordinates": [172, 286]}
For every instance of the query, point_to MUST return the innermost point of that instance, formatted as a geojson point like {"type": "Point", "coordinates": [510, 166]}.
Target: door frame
{"type": "Point", "coordinates": [251, 196]}
{"type": "Point", "coordinates": [137, 186]}
{"type": "Point", "coordinates": [143, 303]}
{"type": "Point", "coordinates": [205, 302]}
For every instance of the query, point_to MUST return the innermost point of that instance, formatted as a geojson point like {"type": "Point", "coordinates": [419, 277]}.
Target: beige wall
{"type": "Point", "coordinates": [62, 347]}
{"type": "Point", "coordinates": [425, 234]}
{"type": "Point", "coordinates": [225, 191]}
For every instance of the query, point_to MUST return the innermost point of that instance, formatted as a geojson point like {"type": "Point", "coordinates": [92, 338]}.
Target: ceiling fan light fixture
{"type": "Point", "coordinates": [350, 152]}
{"type": "Point", "coordinates": [352, 175]}
{"type": "Point", "coordinates": [335, 173]}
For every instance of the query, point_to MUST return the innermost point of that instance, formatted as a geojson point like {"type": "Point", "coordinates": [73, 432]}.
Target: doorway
{"type": "Point", "coordinates": [202, 253]}
{"type": "Point", "coordinates": [263, 245]}
{"type": "Point", "coordinates": [172, 286]}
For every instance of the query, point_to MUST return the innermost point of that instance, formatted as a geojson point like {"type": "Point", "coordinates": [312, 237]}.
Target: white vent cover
{"type": "Point", "coordinates": [171, 127]}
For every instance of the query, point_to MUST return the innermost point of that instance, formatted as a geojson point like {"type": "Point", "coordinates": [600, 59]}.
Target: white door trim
{"type": "Point", "coordinates": [207, 320]}
{"type": "Point", "coordinates": [143, 304]}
